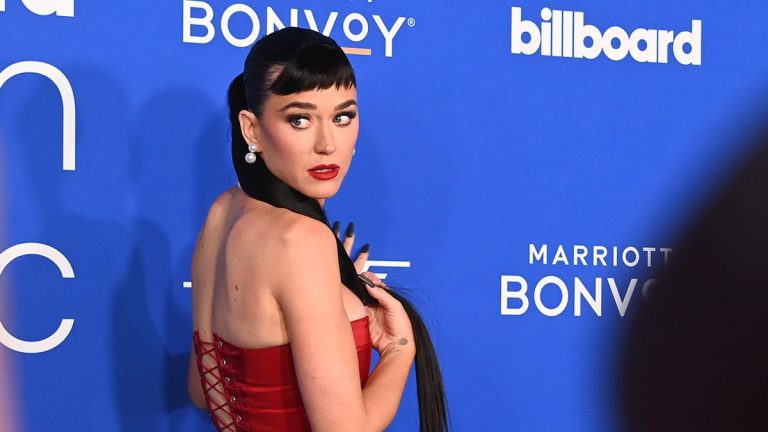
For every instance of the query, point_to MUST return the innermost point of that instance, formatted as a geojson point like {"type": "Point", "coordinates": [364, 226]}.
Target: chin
{"type": "Point", "coordinates": [324, 191]}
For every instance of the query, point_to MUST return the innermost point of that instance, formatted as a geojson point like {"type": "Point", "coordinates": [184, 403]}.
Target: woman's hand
{"type": "Point", "coordinates": [389, 325]}
{"type": "Point", "coordinates": [348, 241]}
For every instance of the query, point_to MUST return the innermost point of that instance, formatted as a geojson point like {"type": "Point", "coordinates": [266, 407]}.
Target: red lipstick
{"type": "Point", "coordinates": [324, 172]}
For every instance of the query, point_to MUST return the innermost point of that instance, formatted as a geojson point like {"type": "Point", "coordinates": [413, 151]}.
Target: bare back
{"type": "Point", "coordinates": [233, 284]}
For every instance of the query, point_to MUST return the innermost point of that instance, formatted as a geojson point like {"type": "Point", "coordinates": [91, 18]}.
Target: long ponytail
{"type": "Point", "coordinates": [259, 183]}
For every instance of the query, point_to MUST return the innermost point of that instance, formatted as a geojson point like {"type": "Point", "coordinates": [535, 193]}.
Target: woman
{"type": "Point", "coordinates": [283, 325]}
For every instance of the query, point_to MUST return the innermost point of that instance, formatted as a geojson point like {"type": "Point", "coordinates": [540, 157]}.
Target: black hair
{"type": "Point", "coordinates": [289, 61]}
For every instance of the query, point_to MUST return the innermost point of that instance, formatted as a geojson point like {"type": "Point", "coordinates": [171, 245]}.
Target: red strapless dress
{"type": "Point", "coordinates": [255, 389]}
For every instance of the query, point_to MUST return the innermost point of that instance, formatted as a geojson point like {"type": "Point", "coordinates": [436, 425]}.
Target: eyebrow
{"type": "Point", "coordinates": [311, 106]}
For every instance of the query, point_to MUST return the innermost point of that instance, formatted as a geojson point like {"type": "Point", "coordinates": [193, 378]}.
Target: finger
{"type": "Point", "coordinates": [372, 277]}
{"type": "Point", "coordinates": [385, 299]}
{"type": "Point", "coordinates": [336, 226]}
{"type": "Point", "coordinates": [362, 258]}
{"type": "Point", "coordinates": [349, 238]}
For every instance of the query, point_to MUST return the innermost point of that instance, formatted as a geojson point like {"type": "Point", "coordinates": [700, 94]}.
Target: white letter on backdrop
{"type": "Point", "coordinates": [61, 333]}
{"type": "Point", "coordinates": [67, 101]}
{"type": "Point", "coordinates": [204, 21]}
{"type": "Point", "coordinates": [48, 7]}
{"type": "Point", "coordinates": [251, 38]}
{"type": "Point", "coordinates": [389, 34]}
{"type": "Point", "coordinates": [506, 294]}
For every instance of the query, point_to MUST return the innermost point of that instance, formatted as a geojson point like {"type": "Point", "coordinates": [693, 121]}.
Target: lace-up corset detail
{"type": "Point", "coordinates": [255, 389]}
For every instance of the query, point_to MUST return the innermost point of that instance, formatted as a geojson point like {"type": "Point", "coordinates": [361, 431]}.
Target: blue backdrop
{"type": "Point", "coordinates": [479, 145]}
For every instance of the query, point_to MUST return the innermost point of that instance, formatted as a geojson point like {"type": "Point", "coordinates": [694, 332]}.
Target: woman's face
{"type": "Point", "coordinates": [306, 139]}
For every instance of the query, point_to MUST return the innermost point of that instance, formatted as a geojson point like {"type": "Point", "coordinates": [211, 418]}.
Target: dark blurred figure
{"type": "Point", "coordinates": [696, 355]}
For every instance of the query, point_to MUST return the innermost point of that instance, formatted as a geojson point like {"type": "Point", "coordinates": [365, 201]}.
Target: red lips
{"type": "Point", "coordinates": [324, 172]}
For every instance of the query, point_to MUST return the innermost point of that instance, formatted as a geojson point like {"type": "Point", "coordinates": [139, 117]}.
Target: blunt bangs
{"type": "Point", "coordinates": [314, 66]}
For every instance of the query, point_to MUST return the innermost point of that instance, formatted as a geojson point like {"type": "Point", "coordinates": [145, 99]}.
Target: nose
{"type": "Point", "coordinates": [325, 141]}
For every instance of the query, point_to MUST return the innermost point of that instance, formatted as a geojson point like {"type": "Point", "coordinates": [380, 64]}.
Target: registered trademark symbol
{"type": "Point", "coordinates": [411, 22]}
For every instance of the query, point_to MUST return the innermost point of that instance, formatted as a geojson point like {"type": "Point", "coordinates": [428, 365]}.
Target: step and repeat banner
{"type": "Point", "coordinates": [522, 172]}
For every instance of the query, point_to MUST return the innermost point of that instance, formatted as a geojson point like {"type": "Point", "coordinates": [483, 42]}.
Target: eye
{"type": "Point", "coordinates": [299, 121]}
{"type": "Point", "coordinates": [344, 118]}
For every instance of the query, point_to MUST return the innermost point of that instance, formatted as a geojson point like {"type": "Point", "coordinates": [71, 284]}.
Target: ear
{"type": "Point", "coordinates": [249, 127]}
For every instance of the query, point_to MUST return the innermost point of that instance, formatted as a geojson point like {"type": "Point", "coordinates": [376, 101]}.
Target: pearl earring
{"type": "Point", "coordinates": [353, 152]}
{"type": "Point", "coordinates": [250, 157]}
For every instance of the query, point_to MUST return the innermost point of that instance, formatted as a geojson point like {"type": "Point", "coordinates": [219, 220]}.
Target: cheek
{"type": "Point", "coordinates": [284, 144]}
{"type": "Point", "coordinates": [349, 136]}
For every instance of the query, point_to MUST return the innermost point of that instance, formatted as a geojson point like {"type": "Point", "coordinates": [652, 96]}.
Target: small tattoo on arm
{"type": "Point", "coordinates": [393, 347]}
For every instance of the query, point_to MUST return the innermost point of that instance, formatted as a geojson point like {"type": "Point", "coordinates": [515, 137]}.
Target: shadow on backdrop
{"type": "Point", "coordinates": [76, 213]}
{"type": "Point", "coordinates": [152, 317]}
{"type": "Point", "coordinates": [696, 353]}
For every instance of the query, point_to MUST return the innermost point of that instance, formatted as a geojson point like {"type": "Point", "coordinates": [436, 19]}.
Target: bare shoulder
{"type": "Point", "coordinates": [287, 242]}
{"type": "Point", "coordinates": [220, 208]}
{"type": "Point", "coordinates": [299, 233]}
{"type": "Point", "coordinates": [204, 258]}
{"type": "Point", "coordinates": [280, 232]}
{"type": "Point", "coordinates": [211, 232]}
{"type": "Point", "coordinates": [214, 224]}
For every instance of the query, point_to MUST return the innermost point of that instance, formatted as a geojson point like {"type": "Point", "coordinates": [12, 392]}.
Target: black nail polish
{"type": "Point", "coordinates": [335, 227]}
{"type": "Point", "coordinates": [365, 248]}
{"type": "Point", "coordinates": [366, 280]}
{"type": "Point", "coordinates": [350, 229]}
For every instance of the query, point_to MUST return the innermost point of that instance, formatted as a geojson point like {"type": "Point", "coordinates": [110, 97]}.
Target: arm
{"type": "Point", "coordinates": [194, 387]}
{"type": "Point", "coordinates": [309, 293]}
{"type": "Point", "coordinates": [392, 337]}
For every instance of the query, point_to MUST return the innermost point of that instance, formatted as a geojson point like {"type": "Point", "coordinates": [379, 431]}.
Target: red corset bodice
{"type": "Point", "coordinates": [255, 389]}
